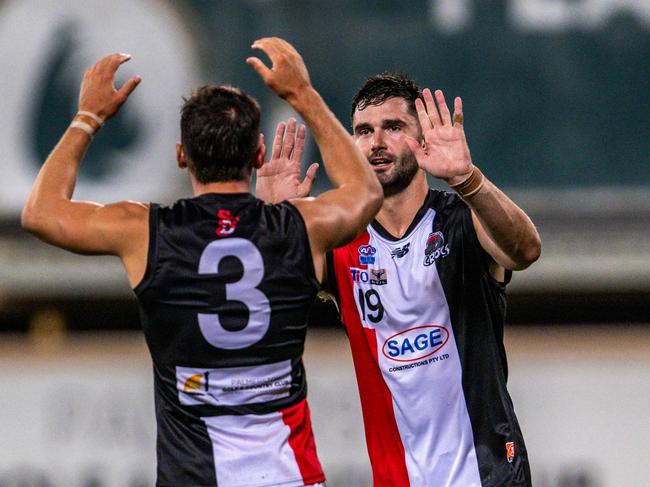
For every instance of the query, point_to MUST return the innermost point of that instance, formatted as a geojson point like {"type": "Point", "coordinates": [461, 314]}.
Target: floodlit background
{"type": "Point", "coordinates": [557, 111]}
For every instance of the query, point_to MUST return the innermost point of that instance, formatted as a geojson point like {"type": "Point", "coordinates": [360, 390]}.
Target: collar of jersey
{"type": "Point", "coordinates": [227, 195]}
{"type": "Point", "coordinates": [383, 233]}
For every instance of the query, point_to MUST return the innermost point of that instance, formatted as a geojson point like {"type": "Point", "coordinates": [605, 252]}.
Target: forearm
{"type": "Point", "coordinates": [508, 227]}
{"type": "Point", "coordinates": [357, 192]}
{"type": "Point", "coordinates": [343, 161]}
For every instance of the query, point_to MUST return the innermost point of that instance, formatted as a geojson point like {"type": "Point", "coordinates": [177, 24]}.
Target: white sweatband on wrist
{"type": "Point", "coordinates": [88, 122]}
{"type": "Point", "coordinates": [83, 126]}
{"type": "Point", "coordinates": [95, 117]}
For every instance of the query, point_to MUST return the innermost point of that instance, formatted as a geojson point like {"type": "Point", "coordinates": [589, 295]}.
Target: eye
{"type": "Point", "coordinates": [363, 131]}
{"type": "Point", "coordinates": [395, 128]}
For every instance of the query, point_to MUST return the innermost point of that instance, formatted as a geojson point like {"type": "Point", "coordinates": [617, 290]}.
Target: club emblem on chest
{"type": "Point", "coordinates": [435, 248]}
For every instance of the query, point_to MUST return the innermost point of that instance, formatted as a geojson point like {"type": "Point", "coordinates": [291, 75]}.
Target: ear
{"type": "Point", "coordinates": [181, 160]}
{"type": "Point", "coordinates": [258, 159]}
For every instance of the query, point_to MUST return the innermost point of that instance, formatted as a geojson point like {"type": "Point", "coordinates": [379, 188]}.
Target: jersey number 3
{"type": "Point", "coordinates": [245, 291]}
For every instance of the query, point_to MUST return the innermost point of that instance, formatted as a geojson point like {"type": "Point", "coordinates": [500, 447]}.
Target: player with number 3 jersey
{"type": "Point", "coordinates": [223, 280]}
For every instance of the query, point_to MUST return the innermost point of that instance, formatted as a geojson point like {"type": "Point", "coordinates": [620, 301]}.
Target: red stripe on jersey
{"type": "Point", "coordinates": [385, 446]}
{"type": "Point", "coordinates": [301, 440]}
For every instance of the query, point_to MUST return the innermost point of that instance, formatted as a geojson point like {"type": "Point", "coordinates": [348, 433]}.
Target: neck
{"type": "Point", "coordinates": [243, 186]}
{"type": "Point", "coordinates": [398, 210]}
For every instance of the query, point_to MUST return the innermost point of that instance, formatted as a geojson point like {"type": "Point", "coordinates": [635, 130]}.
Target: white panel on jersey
{"type": "Point", "coordinates": [253, 451]}
{"type": "Point", "coordinates": [233, 386]}
{"type": "Point", "coordinates": [418, 357]}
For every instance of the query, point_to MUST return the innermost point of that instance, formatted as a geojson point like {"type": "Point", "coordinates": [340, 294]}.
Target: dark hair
{"type": "Point", "coordinates": [220, 128]}
{"type": "Point", "coordinates": [381, 87]}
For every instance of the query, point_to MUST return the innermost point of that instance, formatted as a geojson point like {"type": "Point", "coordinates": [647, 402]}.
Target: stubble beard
{"type": "Point", "coordinates": [405, 167]}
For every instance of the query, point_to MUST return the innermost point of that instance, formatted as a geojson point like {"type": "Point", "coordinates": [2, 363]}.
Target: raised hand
{"type": "Point", "coordinates": [288, 74]}
{"type": "Point", "coordinates": [444, 152]}
{"type": "Point", "coordinates": [279, 178]}
{"type": "Point", "coordinates": [98, 94]}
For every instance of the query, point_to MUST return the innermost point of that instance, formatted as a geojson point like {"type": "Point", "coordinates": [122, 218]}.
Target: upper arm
{"type": "Point", "coordinates": [90, 228]}
{"type": "Point", "coordinates": [329, 225]}
{"type": "Point", "coordinates": [120, 229]}
{"type": "Point", "coordinates": [499, 259]}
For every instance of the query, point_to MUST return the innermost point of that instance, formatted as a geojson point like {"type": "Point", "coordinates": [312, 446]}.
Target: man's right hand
{"type": "Point", "coordinates": [98, 94]}
{"type": "Point", "coordinates": [337, 216]}
{"type": "Point", "coordinates": [288, 75]}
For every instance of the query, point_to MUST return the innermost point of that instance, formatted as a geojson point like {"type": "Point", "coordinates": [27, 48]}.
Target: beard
{"type": "Point", "coordinates": [404, 169]}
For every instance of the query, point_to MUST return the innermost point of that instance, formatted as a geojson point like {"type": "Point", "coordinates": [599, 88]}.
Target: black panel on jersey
{"type": "Point", "coordinates": [477, 306]}
{"type": "Point", "coordinates": [173, 293]}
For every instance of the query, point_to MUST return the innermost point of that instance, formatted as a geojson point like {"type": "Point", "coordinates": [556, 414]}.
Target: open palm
{"type": "Point", "coordinates": [279, 179]}
{"type": "Point", "coordinates": [444, 152]}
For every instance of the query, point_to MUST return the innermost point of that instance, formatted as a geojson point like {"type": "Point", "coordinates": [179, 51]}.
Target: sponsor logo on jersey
{"type": "Point", "coordinates": [367, 254]}
{"type": "Point", "coordinates": [415, 343]}
{"type": "Point", "coordinates": [400, 252]}
{"type": "Point", "coordinates": [377, 277]}
{"type": "Point", "coordinates": [510, 451]}
{"type": "Point", "coordinates": [435, 248]}
{"type": "Point", "coordinates": [197, 383]}
{"type": "Point", "coordinates": [233, 385]}
{"type": "Point", "coordinates": [227, 223]}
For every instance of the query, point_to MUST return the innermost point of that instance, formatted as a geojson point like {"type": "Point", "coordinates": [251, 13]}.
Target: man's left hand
{"type": "Point", "coordinates": [443, 152]}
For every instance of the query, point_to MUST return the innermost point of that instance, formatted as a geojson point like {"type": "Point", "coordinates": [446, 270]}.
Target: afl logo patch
{"type": "Point", "coordinates": [366, 254]}
{"type": "Point", "coordinates": [415, 343]}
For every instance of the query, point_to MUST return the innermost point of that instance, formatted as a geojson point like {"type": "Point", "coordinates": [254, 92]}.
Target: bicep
{"type": "Point", "coordinates": [329, 224]}
{"type": "Point", "coordinates": [90, 228]}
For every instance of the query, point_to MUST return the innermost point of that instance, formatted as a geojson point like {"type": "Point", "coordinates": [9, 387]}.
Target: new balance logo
{"type": "Point", "coordinates": [400, 252]}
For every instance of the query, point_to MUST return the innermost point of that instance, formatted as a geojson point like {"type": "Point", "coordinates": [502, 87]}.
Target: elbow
{"type": "Point", "coordinates": [375, 196]}
{"type": "Point", "coordinates": [529, 253]}
{"type": "Point", "coordinates": [29, 219]}
{"type": "Point", "coordinates": [376, 199]}
{"type": "Point", "coordinates": [33, 221]}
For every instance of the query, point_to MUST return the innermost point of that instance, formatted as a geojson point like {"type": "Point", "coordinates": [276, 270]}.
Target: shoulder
{"type": "Point", "coordinates": [124, 219]}
{"type": "Point", "coordinates": [119, 217]}
{"type": "Point", "coordinates": [445, 200]}
{"type": "Point", "coordinates": [128, 209]}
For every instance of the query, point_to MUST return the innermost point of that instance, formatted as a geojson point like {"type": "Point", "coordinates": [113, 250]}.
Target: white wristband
{"type": "Point", "coordinates": [96, 118]}
{"type": "Point", "coordinates": [83, 126]}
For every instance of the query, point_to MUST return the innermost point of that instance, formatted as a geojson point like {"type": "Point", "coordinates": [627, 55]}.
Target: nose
{"type": "Point", "coordinates": [377, 141]}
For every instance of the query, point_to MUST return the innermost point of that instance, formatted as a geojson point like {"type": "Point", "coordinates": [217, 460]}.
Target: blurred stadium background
{"type": "Point", "coordinates": [557, 106]}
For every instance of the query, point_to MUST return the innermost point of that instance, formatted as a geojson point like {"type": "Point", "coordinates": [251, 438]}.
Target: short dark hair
{"type": "Point", "coordinates": [220, 129]}
{"type": "Point", "coordinates": [381, 87]}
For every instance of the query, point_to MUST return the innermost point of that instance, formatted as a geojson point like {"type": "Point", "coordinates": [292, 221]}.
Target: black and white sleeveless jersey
{"type": "Point", "coordinates": [224, 303]}
{"type": "Point", "coordinates": [425, 322]}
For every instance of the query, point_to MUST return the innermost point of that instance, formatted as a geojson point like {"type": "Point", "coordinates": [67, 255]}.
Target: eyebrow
{"type": "Point", "coordinates": [393, 121]}
{"type": "Point", "coordinates": [389, 122]}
